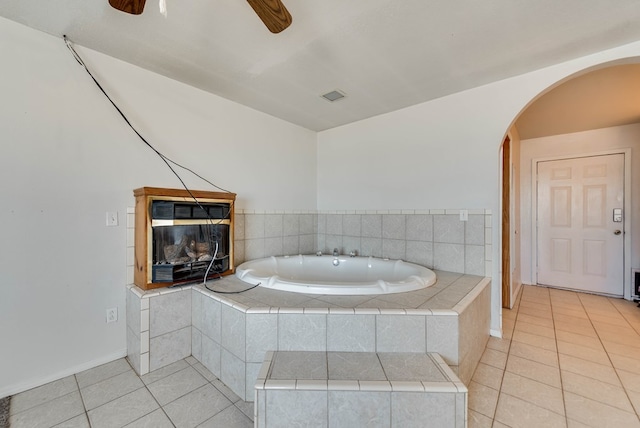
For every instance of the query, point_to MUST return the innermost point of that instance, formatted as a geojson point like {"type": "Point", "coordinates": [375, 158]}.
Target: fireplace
{"type": "Point", "coordinates": [180, 239]}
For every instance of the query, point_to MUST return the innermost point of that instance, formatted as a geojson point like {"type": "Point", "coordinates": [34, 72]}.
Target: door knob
{"type": "Point", "coordinates": [617, 232]}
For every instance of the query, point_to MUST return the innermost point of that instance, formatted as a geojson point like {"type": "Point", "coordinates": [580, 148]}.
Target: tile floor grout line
{"type": "Point", "coordinates": [84, 406]}
{"type": "Point", "coordinates": [611, 361]}
{"type": "Point", "coordinates": [562, 390]}
{"type": "Point", "coordinates": [158, 403]}
{"type": "Point", "coordinates": [213, 416]}
{"type": "Point", "coordinates": [504, 371]}
{"type": "Point", "coordinates": [599, 337]}
{"type": "Point", "coordinates": [177, 398]}
{"type": "Point", "coordinates": [233, 403]}
{"type": "Point", "coordinates": [111, 401]}
{"type": "Point", "coordinates": [637, 330]}
{"type": "Point", "coordinates": [106, 378]}
{"type": "Point", "coordinates": [145, 386]}
{"type": "Point", "coordinates": [598, 334]}
{"type": "Point", "coordinates": [49, 401]}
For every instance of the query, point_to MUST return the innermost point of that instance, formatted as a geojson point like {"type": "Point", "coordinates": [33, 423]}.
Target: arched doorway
{"type": "Point", "coordinates": [574, 118]}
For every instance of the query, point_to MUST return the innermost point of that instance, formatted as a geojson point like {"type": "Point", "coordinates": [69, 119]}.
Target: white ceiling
{"type": "Point", "coordinates": [385, 54]}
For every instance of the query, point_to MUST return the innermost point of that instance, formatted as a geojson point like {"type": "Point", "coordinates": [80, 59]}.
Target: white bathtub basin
{"type": "Point", "coordinates": [342, 275]}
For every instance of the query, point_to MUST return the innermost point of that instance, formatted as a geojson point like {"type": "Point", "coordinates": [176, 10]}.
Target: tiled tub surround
{"type": "Point", "coordinates": [230, 333]}
{"type": "Point", "coordinates": [358, 389]}
{"type": "Point", "coordinates": [158, 327]}
{"type": "Point", "coordinates": [437, 239]}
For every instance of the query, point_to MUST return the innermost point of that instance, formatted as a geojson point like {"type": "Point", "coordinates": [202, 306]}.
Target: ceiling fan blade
{"type": "Point", "coordinates": [272, 12]}
{"type": "Point", "coordinates": [134, 7]}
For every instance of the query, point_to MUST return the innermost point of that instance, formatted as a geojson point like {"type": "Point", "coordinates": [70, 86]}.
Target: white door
{"type": "Point", "coordinates": [580, 243]}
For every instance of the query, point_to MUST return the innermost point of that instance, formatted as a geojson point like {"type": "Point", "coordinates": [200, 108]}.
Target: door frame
{"type": "Point", "coordinates": [506, 223]}
{"type": "Point", "coordinates": [626, 263]}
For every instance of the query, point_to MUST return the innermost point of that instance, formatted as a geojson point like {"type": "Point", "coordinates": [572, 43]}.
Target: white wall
{"type": "Point", "coordinates": [67, 158]}
{"type": "Point", "coordinates": [579, 143]}
{"type": "Point", "coordinates": [439, 154]}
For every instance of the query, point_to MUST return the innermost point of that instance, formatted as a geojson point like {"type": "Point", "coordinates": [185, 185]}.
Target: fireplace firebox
{"type": "Point", "coordinates": [179, 239]}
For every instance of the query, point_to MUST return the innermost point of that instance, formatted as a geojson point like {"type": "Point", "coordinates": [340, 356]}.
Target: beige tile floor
{"type": "Point", "coordinates": [566, 360]}
{"type": "Point", "coordinates": [183, 394]}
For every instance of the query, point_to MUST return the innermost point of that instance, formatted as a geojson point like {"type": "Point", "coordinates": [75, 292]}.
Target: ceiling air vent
{"type": "Point", "coordinates": [334, 95]}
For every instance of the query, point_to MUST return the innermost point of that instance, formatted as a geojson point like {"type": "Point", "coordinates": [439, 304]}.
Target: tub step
{"type": "Point", "coordinates": [358, 389]}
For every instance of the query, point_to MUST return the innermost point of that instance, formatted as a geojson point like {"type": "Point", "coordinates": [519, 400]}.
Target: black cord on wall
{"type": "Point", "coordinates": [168, 162]}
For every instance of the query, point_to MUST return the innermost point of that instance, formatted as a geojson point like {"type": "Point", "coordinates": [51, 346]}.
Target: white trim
{"type": "Point", "coordinates": [499, 242]}
{"type": "Point", "coordinates": [496, 333]}
{"type": "Point", "coordinates": [33, 383]}
{"type": "Point", "coordinates": [627, 286]}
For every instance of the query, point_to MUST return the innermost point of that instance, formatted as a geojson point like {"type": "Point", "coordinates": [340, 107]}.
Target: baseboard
{"type": "Point", "coordinates": [496, 333]}
{"type": "Point", "coordinates": [33, 383]}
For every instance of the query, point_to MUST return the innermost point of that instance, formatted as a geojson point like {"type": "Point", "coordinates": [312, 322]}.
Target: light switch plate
{"type": "Point", "coordinates": [112, 218]}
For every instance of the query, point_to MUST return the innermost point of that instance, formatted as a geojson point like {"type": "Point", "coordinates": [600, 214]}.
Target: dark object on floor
{"type": "Point", "coordinates": [4, 411]}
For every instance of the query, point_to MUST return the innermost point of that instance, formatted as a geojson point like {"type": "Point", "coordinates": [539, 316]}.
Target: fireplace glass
{"type": "Point", "coordinates": [189, 239]}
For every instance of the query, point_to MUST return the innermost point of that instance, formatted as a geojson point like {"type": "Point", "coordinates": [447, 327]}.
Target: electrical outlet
{"type": "Point", "coordinates": [112, 218]}
{"type": "Point", "coordinates": [112, 315]}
